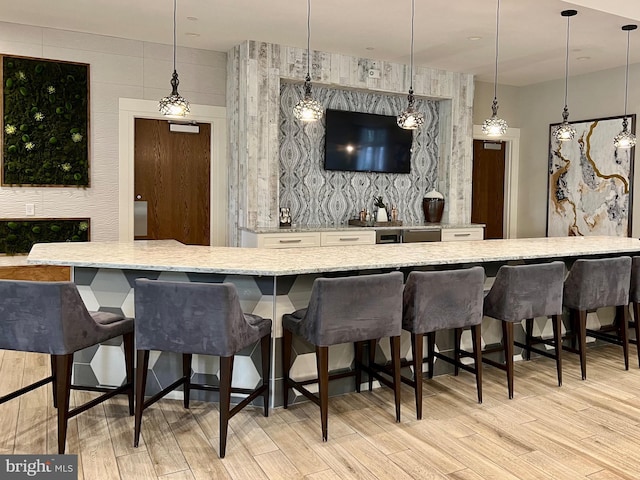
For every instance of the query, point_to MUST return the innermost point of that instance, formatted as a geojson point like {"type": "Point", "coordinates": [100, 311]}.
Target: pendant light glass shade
{"type": "Point", "coordinates": [410, 118]}
{"type": "Point", "coordinates": [626, 139]}
{"type": "Point", "coordinates": [308, 109]}
{"type": "Point", "coordinates": [174, 105]}
{"type": "Point", "coordinates": [565, 131]}
{"type": "Point", "coordinates": [495, 126]}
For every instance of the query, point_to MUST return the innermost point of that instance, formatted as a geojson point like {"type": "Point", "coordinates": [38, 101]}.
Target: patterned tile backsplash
{"type": "Point", "coordinates": [321, 197]}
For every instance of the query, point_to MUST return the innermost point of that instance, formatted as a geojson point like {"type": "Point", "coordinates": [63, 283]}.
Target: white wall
{"type": "Point", "coordinates": [594, 95]}
{"type": "Point", "coordinates": [119, 68]}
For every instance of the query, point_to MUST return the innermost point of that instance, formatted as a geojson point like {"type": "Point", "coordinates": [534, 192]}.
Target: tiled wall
{"type": "Point", "coordinates": [317, 196]}
{"type": "Point", "coordinates": [255, 71]}
{"type": "Point", "coordinates": [118, 68]}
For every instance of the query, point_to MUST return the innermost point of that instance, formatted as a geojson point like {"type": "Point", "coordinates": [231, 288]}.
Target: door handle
{"type": "Point", "coordinates": [138, 197]}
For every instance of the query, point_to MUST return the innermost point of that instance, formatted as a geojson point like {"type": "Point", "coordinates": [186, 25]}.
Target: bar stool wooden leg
{"type": "Point", "coordinates": [141, 384]}
{"type": "Point", "coordinates": [322, 361]}
{"type": "Point", "coordinates": [582, 341]}
{"type": "Point", "coordinates": [456, 350]}
{"type": "Point", "coordinates": [476, 337]}
{"type": "Point", "coordinates": [226, 374]}
{"type": "Point", "coordinates": [286, 365]}
{"type": "Point", "coordinates": [186, 375]}
{"type": "Point", "coordinates": [431, 348]}
{"type": "Point", "coordinates": [507, 340]}
{"type": "Point", "coordinates": [357, 348]}
{"type": "Point", "coordinates": [636, 318]}
{"type": "Point", "coordinates": [529, 336]}
{"type": "Point", "coordinates": [372, 359]}
{"type": "Point", "coordinates": [416, 352]}
{"type": "Point", "coordinates": [395, 365]}
{"type": "Point", "coordinates": [622, 314]}
{"type": "Point", "coordinates": [557, 338]}
{"type": "Point", "coordinates": [128, 341]}
{"type": "Point", "coordinates": [265, 345]}
{"type": "Point", "coordinates": [64, 364]}
{"type": "Point", "coordinates": [53, 382]}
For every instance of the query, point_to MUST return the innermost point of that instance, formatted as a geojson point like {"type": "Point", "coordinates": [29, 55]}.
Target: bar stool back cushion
{"type": "Point", "coordinates": [193, 318]}
{"type": "Point", "coordinates": [50, 317]}
{"type": "Point", "coordinates": [440, 300]}
{"type": "Point", "coordinates": [343, 310]}
{"type": "Point", "coordinates": [595, 283]}
{"type": "Point", "coordinates": [526, 291]}
{"type": "Point", "coordinates": [634, 291]}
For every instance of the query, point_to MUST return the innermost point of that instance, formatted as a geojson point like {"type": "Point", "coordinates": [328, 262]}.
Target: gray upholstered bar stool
{"type": "Point", "coordinates": [597, 283]}
{"type": "Point", "coordinates": [524, 292]}
{"type": "Point", "coordinates": [634, 298]}
{"type": "Point", "coordinates": [345, 310]}
{"type": "Point", "coordinates": [50, 317]}
{"type": "Point", "coordinates": [442, 300]}
{"type": "Point", "coordinates": [197, 318]}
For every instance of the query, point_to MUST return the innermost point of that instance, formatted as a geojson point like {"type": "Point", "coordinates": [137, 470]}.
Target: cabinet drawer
{"type": "Point", "coordinates": [457, 234]}
{"type": "Point", "coordinates": [332, 239]}
{"type": "Point", "coordinates": [289, 240]}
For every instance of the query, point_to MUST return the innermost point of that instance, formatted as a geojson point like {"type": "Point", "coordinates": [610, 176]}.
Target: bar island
{"type": "Point", "coordinates": [271, 282]}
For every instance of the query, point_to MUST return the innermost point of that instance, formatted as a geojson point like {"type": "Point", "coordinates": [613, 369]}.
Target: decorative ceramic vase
{"type": "Point", "coordinates": [381, 215]}
{"type": "Point", "coordinates": [433, 206]}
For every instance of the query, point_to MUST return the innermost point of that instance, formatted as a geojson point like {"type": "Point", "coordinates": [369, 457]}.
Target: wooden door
{"type": "Point", "coordinates": [172, 177]}
{"type": "Point", "coordinates": [487, 205]}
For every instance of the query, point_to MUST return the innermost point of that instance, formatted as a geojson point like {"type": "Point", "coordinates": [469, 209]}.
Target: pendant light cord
{"type": "Point", "coordinates": [566, 67]}
{"type": "Point", "coordinates": [626, 77]}
{"type": "Point", "coordinates": [308, 38]}
{"type": "Point", "coordinates": [495, 76]}
{"type": "Point", "coordinates": [413, 11]}
{"type": "Point", "coordinates": [175, 2]}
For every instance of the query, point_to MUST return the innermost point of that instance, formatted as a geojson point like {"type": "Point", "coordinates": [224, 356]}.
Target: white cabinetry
{"type": "Point", "coordinates": [280, 239]}
{"type": "Point", "coordinates": [458, 234]}
{"type": "Point", "coordinates": [332, 239]}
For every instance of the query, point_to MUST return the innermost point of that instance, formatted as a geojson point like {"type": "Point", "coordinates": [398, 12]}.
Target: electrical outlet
{"type": "Point", "coordinates": [30, 209]}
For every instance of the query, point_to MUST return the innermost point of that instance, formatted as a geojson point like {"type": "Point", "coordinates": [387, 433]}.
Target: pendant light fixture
{"type": "Point", "coordinates": [174, 105]}
{"type": "Point", "coordinates": [494, 126]}
{"type": "Point", "coordinates": [626, 139]}
{"type": "Point", "coordinates": [565, 131]}
{"type": "Point", "coordinates": [308, 109]}
{"type": "Point", "coordinates": [410, 118]}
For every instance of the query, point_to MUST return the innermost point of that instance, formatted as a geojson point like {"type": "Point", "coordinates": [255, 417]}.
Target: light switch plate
{"type": "Point", "coordinates": [30, 209]}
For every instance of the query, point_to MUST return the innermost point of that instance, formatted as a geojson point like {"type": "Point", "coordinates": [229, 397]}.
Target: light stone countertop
{"type": "Point", "coordinates": [169, 255]}
{"type": "Point", "coordinates": [13, 260]}
{"type": "Point", "coordinates": [355, 228]}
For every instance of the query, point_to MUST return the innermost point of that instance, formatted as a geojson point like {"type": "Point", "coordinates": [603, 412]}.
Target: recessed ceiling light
{"type": "Point", "coordinates": [193, 19]}
{"type": "Point", "coordinates": [474, 38]}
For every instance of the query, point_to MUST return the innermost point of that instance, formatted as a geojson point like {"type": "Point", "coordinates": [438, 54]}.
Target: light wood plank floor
{"type": "Point", "coordinates": [585, 429]}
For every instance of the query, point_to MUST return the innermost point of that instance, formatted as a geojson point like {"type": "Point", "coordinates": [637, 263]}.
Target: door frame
{"type": "Point", "coordinates": [129, 110]}
{"type": "Point", "coordinates": [512, 162]}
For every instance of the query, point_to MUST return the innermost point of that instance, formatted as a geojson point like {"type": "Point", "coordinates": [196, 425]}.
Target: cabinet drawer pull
{"type": "Point", "coordinates": [461, 234]}
{"type": "Point", "coordinates": [349, 239]}
{"type": "Point", "coordinates": [297, 240]}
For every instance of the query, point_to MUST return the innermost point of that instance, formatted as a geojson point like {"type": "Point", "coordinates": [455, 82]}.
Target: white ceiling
{"type": "Point", "coordinates": [532, 32]}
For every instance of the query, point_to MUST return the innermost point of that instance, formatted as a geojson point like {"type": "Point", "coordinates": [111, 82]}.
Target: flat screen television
{"type": "Point", "coordinates": [365, 142]}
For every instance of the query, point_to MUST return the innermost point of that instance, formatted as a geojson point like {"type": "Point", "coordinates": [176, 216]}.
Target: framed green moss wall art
{"type": "Point", "coordinates": [18, 235]}
{"type": "Point", "coordinates": [45, 122]}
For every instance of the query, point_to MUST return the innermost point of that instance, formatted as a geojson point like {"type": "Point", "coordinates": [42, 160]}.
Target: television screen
{"type": "Point", "coordinates": [364, 142]}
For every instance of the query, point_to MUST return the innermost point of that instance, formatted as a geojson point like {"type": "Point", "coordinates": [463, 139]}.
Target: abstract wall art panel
{"type": "Point", "coordinates": [590, 181]}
